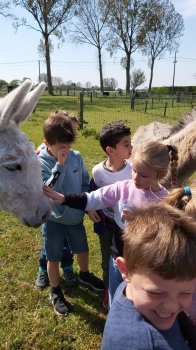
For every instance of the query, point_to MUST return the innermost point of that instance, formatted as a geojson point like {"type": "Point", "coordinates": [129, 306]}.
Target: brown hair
{"type": "Point", "coordinates": [70, 116]}
{"type": "Point", "coordinates": [111, 134]}
{"type": "Point", "coordinates": [58, 129]}
{"type": "Point", "coordinates": [178, 198]}
{"type": "Point", "coordinates": [158, 156]}
{"type": "Point", "coordinates": [162, 239]}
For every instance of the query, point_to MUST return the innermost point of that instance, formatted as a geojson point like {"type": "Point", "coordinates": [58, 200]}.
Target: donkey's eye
{"type": "Point", "coordinates": [14, 168]}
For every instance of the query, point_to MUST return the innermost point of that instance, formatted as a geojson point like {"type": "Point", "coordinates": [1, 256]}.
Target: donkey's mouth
{"type": "Point", "coordinates": [33, 224]}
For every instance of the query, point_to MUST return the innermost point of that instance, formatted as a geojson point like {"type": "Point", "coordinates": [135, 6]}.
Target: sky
{"type": "Point", "coordinates": [19, 57]}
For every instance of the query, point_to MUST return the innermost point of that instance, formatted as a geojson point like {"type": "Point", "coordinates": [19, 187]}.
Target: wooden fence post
{"type": "Point", "coordinates": [165, 109]}
{"type": "Point", "coordinates": [132, 102]}
{"type": "Point", "coordinates": [146, 105]}
{"type": "Point", "coordinates": [91, 96]}
{"type": "Point", "coordinates": [152, 103]}
{"type": "Point", "coordinates": [80, 108]}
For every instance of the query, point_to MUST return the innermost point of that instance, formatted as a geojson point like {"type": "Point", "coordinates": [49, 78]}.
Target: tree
{"type": "Point", "coordinates": [43, 77]}
{"type": "Point", "coordinates": [110, 84]}
{"type": "Point", "coordinates": [137, 78]}
{"type": "Point", "coordinates": [3, 83]}
{"type": "Point", "coordinates": [124, 20]}
{"type": "Point", "coordinates": [88, 85]}
{"type": "Point", "coordinates": [5, 8]}
{"type": "Point", "coordinates": [163, 27]}
{"type": "Point", "coordinates": [57, 81]}
{"type": "Point", "coordinates": [90, 28]}
{"type": "Point", "coordinates": [15, 82]}
{"type": "Point", "coordinates": [23, 79]}
{"type": "Point", "coordinates": [123, 62]}
{"type": "Point", "coordinates": [50, 17]}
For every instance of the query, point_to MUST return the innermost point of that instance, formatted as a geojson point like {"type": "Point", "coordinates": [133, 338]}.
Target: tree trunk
{"type": "Point", "coordinates": [100, 69]}
{"type": "Point", "coordinates": [50, 88]}
{"type": "Point", "coordinates": [128, 74]}
{"type": "Point", "coordinates": [151, 74]}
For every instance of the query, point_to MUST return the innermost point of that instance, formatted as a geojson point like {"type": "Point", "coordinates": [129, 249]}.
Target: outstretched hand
{"type": "Point", "coordinates": [57, 198]}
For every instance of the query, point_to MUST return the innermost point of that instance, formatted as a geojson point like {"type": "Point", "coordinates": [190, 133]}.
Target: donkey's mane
{"type": "Point", "coordinates": [183, 122]}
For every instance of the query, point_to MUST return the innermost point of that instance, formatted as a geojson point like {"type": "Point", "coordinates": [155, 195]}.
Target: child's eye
{"type": "Point", "coordinates": [144, 176]}
{"type": "Point", "coordinates": [155, 293]}
{"type": "Point", "coordinates": [187, 294]}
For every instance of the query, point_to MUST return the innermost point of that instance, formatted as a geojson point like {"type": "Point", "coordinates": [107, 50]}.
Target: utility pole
{"type": "Point", "coordinates": [174, 62]}
{"type": "Point", "coordinates": [39, 70]}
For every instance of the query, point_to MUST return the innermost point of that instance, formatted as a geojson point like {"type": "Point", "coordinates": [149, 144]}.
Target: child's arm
{"type": "Point", "coordinates": [72, 200]}
{"type": "Point", "coordinates": [101, 198]}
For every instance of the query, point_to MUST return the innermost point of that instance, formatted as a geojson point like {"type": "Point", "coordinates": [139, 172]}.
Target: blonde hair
{"type": "Point", "coordinates": [162, 239]}
{"type": "Point", "coordinates": [178, 198]}
{"type": "Point", "coordinates": [158, 156]}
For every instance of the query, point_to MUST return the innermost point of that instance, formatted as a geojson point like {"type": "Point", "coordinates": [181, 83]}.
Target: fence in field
{"type": "Point", "coordinates": [96, 111]}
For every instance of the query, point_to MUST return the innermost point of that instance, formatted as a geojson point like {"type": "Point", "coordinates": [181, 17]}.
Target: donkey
{"type": "Point", "coordinates": [20, 172]}
{"type": "Point", "coordinates": [182, 135]}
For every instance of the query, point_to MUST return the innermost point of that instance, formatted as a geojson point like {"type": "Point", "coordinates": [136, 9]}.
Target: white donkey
{"type": "Point", "coordinates": [20, 172]}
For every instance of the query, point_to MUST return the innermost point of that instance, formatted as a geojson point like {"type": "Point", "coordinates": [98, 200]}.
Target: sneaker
{"type": "Point", "coordinates": [106, 300]}
{"type": "Point", "coordinates": [90, 280]}
{"type": "Point", "coordinates": [42, 280]}
{"type": "Point", "coordinates": [59, 303]}
{"type": "Point", "coordinates": [69, 277]}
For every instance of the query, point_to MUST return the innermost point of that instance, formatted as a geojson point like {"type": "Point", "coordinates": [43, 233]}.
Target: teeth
{"type": "Point", "coordinates": [163, 315]}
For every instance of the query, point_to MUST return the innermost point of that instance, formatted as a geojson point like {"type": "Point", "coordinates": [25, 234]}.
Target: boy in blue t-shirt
{"type": "Point", "coordinates": [64, 169]}
{"type": "Point", "coordinates": [159, 272]}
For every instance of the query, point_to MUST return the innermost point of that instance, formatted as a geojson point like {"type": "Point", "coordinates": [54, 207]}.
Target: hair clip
{"type": "Point", "coordinates": [169, 147]}
{"type": "Point", "coordinates": [187, 191]}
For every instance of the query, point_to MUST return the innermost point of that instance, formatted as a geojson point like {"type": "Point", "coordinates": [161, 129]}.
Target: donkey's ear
{"type": "Point", "coordinates": [19, 103]}
{"type": "Point", "coordinates": [29, 103]}
{"type": "Point", "coordinates": [11, 103]}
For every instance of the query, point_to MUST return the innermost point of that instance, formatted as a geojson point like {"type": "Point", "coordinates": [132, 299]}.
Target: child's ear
{"type": "Point", "coordinates": [109, 150]}
{"type": "Point", "coordinates": [45, 143]}
{"type": "Point", "coordinates": [123, 269]}
{"type": "Point", "coordinates": [162, 174]}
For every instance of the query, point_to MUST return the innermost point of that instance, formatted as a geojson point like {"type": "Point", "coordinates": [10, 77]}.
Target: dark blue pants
{"type": "Point", "coordinates": [67, 259]}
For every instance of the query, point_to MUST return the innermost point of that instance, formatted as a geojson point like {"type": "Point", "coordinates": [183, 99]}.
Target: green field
{"type": "Point", "coordinates": [27, 319]}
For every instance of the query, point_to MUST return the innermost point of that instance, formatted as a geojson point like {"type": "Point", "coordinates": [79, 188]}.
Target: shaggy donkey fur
{"type": "Point", "coordinates": [182, 135]}
{"type": "Point", "coordinates": [20, 172]}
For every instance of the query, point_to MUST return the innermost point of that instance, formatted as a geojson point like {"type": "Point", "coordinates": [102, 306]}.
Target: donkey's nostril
{"type": "Point", "coordinates": [44, 217]}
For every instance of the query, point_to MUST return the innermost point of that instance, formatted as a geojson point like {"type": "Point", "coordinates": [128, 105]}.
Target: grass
{"type": "Point", "coordinates": [27, 319]}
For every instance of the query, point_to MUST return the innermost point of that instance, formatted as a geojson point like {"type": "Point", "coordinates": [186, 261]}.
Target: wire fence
{"type": "Point", "coordinates": [100, 110]}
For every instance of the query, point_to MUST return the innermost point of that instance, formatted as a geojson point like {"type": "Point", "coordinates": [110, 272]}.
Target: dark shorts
{"type": "Point", "coordinates": [54, 235]}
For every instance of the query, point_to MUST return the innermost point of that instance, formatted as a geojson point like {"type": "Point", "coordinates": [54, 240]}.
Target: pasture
{"type": "Point", "coordinates": [27, 319]}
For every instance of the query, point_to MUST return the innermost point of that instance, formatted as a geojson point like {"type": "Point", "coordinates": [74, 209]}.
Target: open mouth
{"type": "Point", "coordinates": [163, 315]}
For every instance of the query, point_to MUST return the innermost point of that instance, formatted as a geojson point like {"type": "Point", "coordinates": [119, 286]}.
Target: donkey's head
{"type": "Point", "coordinates": [20, 173]}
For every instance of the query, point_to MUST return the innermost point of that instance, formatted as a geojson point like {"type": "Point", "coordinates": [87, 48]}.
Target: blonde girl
{"type": "Point", "coordinates": [150, 163]}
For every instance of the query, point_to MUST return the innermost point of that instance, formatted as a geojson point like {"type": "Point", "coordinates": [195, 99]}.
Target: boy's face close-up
{"type": "Point", "coordinates": [123, 149]}
{"type": "Point", "coordinates": [159, 300]}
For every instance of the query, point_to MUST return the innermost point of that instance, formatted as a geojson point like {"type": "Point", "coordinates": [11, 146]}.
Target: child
{"type": "Point", "coordinates": [42, 280]}
{"type": "Point", "coordinates": [150, 163]}
{"type": "Point", "coordinates": [185, 198]}
{"type": "Point", "coordinates": [64, 169]}
{"type": "Point", "coordinates": [159, 272]}
{"type": "Point", "coordinates": [115, 141]}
